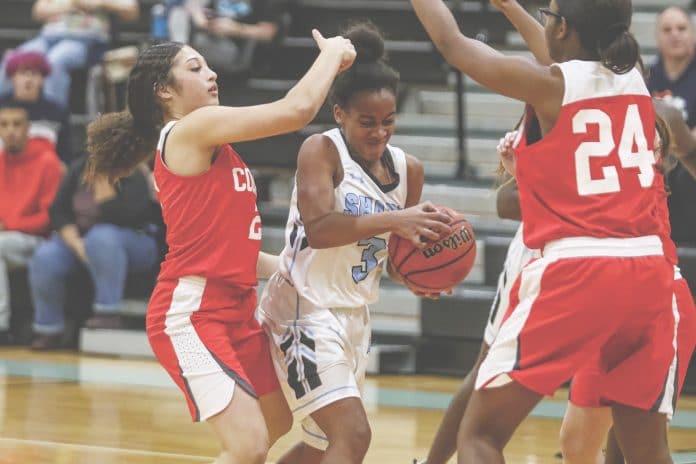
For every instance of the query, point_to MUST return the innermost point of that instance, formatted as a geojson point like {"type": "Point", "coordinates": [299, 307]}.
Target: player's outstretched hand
{"type": "Point", "coordinates": [506, 152]}
{"type": "Point", "coordinates": [339, 45]}
{"type": "Point", "coordinates": [421, 223]}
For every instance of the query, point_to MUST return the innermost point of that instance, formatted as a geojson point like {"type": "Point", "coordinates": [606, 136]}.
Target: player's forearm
{"type": "Point", "coordinates": [531, 31]}
{"type": "Point", "coordinates": [336, 229]}
{"type": "Point", "coordinates": [438, 22]}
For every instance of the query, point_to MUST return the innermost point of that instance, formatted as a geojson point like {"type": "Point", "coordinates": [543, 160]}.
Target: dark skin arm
{"type": "Point", "coordinates": [508, 201]}
{"type": "Point", "coordinates": [529, 28]}
{"type": "Point", "coordinates": [318, 172]}
{"type": "Point", "coordinates": [516, 77]}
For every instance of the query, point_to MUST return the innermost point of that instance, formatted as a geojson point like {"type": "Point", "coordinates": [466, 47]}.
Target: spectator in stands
{"type": "Point", "coordinates": [225, 29]}
{"type": "Point", "coordinates": [30, 174]}
{"type": "Point", "coordinates": [75, 34]}
{"type": "Point", "coordinates": [102, 227]}
{"type": "Point", "coordinates": [673, 78]}
{"type": "Point", "coordinates": [49, 121]}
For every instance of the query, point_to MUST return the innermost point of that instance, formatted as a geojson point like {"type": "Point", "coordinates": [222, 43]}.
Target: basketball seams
{"type": "Point", "coordinates": [420, 271]}
{"type": "Point", "coordinates": [413, 257]}
{"type": "Point", "coordinates": [397, 267]}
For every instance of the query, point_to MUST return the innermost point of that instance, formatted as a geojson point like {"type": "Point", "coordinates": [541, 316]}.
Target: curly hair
{"type": "Point", "coordinates": [118, 142]}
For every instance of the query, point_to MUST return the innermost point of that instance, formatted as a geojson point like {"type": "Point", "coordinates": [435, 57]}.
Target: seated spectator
{"type": "Point", "coordinates": [673, 79]}
{"type": "Point", "coordinates": [224, 29]}
{"type": "Point", "coordinates": [29, 178]}
{"type": "Point", "coordinates": [75, 33]}
{"type": "Point", "coordinates": [48, 120]}
{"type": "Point", "coordinates": [102, 227]}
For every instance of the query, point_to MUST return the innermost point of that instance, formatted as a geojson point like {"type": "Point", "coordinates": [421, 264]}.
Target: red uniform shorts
{"type": "Point", "coordinates": [587, 389]}
{"type": "Point", "coordinates": [206, 336]}
{"type": "Point", "coordinates": [587, 299]}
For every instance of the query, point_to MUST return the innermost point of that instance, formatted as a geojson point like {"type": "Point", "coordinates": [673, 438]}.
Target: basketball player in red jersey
{"type": "Point", "coordinates": [607, 286]}
{"type": "Point", "coordinates": [586, 421]}
{"type": "Point", "coordinates": [200, 319]}
{"type": "Point", "coordinates": [584, 429]}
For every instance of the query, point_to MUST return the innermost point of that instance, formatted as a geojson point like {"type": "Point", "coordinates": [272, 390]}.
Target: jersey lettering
{"type": "Point", "coordinates": [255, 228]}
{"type": "Point", "coordinates": [243, 180]}
{"type": "Point", "coordinates": [632, 135]}
{"type": "Point", "coordinates": [361, 205]}
{"type": "Point", "coordinates": [369, 257]}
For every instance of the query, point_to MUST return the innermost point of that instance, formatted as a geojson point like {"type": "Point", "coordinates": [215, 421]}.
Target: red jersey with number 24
{"type": "Point", "coordinates": [593, 174]}
{"type": "Point", "coordinates": [213, 225]}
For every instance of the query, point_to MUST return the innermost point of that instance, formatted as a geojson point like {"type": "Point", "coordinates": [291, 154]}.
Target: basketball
{"type": "Point", "coordinates": [442, 264]}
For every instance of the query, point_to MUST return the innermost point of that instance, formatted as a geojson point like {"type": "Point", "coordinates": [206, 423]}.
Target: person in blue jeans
{"type": "Point", "coordinates": [74, 34]}
{"type": "Point", "coordinates": [105, 228]}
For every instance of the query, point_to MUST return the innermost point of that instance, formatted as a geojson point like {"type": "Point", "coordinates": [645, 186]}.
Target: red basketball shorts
{"type": "Point", "coordinates": [206, 336]}
{"type": "Point", "coordinates": [586, 388]}
{"type": "Point", "coordinates": [587, 299]}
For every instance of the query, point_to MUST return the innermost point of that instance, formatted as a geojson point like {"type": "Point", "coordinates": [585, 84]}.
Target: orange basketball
{"type": "Point", "coordinates": [441, 264]}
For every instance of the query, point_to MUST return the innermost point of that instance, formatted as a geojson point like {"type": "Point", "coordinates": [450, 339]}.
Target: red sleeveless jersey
{"type": "Point", "coordinates": [213, 225]}
{"type": "Point", "coordinates": [593, 174]}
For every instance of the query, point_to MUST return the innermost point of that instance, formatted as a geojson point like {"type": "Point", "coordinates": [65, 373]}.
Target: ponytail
{"type": "Point", "coordinates": [117, 145]}
{"type": "Point", "coordinates": [603, 27]}
{"type": "Point", "coordinates": [618, 49]}
{"type": "Point", "coordinates": [118, 142]}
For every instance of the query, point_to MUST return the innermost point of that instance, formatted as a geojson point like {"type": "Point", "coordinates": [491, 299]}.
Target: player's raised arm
{"type": "Point", "coordinates": [516, 77]}
{"type": "Point", "coordinates": [211, 126]}
{"type": "Point", "coordinates": [172, 82]}
{"type": "Point", "coordinates": [529, 28]}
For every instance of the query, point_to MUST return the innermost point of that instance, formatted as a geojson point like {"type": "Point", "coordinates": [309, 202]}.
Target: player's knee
{"type": "Point", "coordinates": [355, 439]}
{"type": "Point", "coordinates": [575, 451]}
{"type": "Point", "coordinates": [575, 448]}
{"type": "Point", "coordinates": [252, 451]}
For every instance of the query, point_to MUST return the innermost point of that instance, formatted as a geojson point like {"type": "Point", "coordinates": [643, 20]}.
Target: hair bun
{"type": "Point", "coordinates": [368, 42]}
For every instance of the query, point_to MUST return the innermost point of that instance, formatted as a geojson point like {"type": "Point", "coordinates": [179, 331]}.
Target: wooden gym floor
{"type": "Point", "coordinates": [66, 408]}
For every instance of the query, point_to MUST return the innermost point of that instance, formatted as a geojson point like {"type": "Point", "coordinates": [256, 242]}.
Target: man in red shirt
{"type": "Point", "coordinates": [30, 174]}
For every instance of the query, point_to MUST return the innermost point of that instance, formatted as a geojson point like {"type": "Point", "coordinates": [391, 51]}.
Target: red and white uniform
{"type": "Point", "coordinates": [200, 320]}
{"type": "Point", "coordinates": [586, 387]}
{"type": "Point", "coordinates": [602, 284]}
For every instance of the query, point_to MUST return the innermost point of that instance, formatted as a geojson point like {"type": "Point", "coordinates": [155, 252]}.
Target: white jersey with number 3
{"type": "Point", "coordinates": [346, 276]}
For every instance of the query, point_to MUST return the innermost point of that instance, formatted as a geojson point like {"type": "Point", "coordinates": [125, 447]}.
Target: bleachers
{"type": "Point", "coordinates": [446, 334]}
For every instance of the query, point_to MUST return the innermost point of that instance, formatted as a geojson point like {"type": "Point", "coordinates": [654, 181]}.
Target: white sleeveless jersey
{"type": "Point", "coordinates": [347, 276]}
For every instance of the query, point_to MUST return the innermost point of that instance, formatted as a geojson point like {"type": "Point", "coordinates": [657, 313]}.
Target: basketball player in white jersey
{"type": "Point", "coordinates": [352, 189]}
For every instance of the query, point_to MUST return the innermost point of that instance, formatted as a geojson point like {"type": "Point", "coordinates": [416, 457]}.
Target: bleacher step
{"type": "Point", "coordinates": [391, 359]}
{"type": "Point", "coordinates": [130, 343]}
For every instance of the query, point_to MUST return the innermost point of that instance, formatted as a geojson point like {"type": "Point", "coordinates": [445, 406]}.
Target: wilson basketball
{"type": "Point", "coordinates": [441, 264]}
